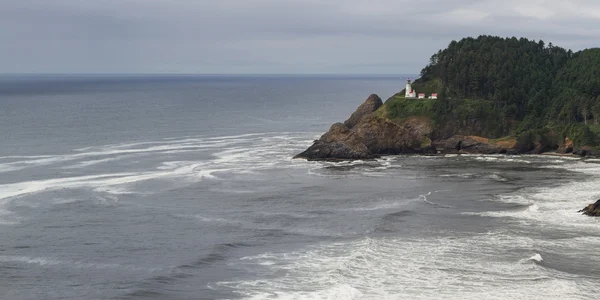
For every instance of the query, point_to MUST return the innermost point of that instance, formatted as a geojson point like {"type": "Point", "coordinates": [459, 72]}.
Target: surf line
{"type": "Point", "coordinates": [424, 198]}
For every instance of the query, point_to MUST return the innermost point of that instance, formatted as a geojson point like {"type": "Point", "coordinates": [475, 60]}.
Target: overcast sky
{"type": "Point", "coordinates": [270, 36]}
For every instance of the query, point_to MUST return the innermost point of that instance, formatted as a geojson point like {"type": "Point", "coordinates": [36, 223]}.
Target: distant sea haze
{"type": "Point", "coordinates": [183, 187]}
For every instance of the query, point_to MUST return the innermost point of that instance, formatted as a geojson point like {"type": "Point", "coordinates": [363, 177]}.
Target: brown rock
{"type": "Point", "coordinates": [566, 147]}
{"type": "Point", "coordinates": [592, 210]}
{"type": "Point", "coordinates": [369, 106]}
{"type": "Point", "coordinates": [338, 143]}
{"type": "Point", "coordinates": [472, 145]}
{"type": "Point", "coordinates": [383, 136]}
{"type": "Point", "coordinates": [366, 135]}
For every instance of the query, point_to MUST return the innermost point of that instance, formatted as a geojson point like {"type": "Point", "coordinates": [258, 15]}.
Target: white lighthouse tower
{"type": "Point", "coordinates": [409, 91]}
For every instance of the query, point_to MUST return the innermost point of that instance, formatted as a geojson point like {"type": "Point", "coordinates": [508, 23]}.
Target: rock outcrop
{"type": "Point", "coordinates": [338, 143]}
{"type": "Point", "coordinates": [369, 106]}
{"type": "Point", "coordinates": [587, 151]}
{"type": "Point", "coordinates": [592, 210]}
{"type": "Point", "coordinates": [365, 136]}
{"type": "Point", "coordinates": [566, 147]}
{"type": "Point", "coordinates": [470, 145]}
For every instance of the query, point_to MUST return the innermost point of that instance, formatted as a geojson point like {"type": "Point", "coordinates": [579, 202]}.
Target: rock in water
{"type": "Point", "coordinates": [369, 106]}
{"type": "Point", "coordinates": [592, 210]}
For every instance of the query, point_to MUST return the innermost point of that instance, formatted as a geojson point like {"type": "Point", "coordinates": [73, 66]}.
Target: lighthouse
{"type": "Point", "coordinates": [409, 91]}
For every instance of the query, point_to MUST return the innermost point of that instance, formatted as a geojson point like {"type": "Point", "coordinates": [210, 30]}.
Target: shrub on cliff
{"type": "Point", "coordinates": [581, 135]}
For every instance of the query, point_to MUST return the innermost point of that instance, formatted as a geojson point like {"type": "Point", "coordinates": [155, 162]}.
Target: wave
{"type": "Point", "coordinates": [493, 176]}
{"type": "Point", "coordinates": [406, 268]}
{"type": "Point", "coordinates": [556, 205]}
{"type": "Point", "coordinates": [239, 154]}
{"type": "Point", "coordinates": [424, 198]}
{"type": "Point", "coordinates": [536, 257]}
{"type": "Point", "coordinates": [89, 156]}
{"type": "Point", "coordinates": [382, 204]}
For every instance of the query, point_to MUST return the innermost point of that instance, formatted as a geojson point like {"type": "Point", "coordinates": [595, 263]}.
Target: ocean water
{"type": "Point", "coordinates": [183, 187]}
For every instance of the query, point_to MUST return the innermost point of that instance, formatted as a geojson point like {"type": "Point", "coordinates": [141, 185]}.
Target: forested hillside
{"type": "Point", "coordinates": [511, 86]}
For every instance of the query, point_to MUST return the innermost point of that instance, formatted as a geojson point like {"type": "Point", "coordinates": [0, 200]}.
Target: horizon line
{"type": "Point", "coordinates": [207, 74]}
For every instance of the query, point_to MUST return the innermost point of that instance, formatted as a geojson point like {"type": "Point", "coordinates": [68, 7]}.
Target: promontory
{"type": "Point", "coordinates": [487, 95]}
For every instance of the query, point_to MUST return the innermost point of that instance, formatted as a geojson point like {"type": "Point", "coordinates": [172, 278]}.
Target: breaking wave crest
{"type": "Point", "coordinates": [556, 205]}
{"type": "Point", "coordinates": [410, 268]}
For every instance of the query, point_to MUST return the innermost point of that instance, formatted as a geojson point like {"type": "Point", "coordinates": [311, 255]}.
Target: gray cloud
{"type": "Point", "coordinates": [269, 36]}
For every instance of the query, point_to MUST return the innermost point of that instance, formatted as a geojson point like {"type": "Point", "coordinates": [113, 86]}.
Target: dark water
{"type": "Point", "coordinates": [183, 188]}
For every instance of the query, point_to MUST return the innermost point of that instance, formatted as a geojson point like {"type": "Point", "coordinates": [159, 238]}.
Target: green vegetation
{"type": "Point", "coordinates": [535, 92]}
{"type": "Point", "coordinates": [400, 107]}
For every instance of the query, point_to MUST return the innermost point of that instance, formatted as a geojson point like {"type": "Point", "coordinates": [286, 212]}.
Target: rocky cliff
{"type": "Point", "coordinates": [367, 135]}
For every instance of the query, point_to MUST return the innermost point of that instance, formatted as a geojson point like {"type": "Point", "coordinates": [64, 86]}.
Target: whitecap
{"type": "Point", "coordinates": [536, 257]}
{"type": "Point", "coordinates": [406, 268]}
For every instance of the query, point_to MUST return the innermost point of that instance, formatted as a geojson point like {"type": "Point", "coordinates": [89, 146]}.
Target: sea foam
{"type": "Point", "coordinates": [406, 268]}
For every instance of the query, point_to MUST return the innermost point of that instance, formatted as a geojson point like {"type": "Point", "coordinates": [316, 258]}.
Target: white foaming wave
{"type": "Point", "coordinates": [499, 158]}
{"type": "Point", "coordinates": [380, 206]}
{"type": "Point", "coordinates": [459, 175]}
{"type": "Point", "coordinates": [560, 156]}
{"type": "Point", "coordinates": [242, 154]}
{"type": "Point", "coordinates": [186, 140]}
{"type": "Point", "coordinates": [115, 183]}
{"type": "Point", "coordinates": [557, 205]}
{"type": "Point", "coordinates": [12, 190]}
{"type": "Point", "coordinates": [496, 177]}
{"type": "Point", "coordinates": [492, 176]}
{"type": "Point", "coordinates": [424, 198]}
{"type": "Point", "coordinates": [122, 150]}
{"type": "Point", "coordinates": [536, 257]}
{"type": "Point", "coordinates": [89, 163]}
{"type": "Point", "coordinates": [486, 158]}
{"type": "Point", "coordinates": [410, 268]}
{"type": "Point", "coordinates": [350, 168]}
{"type": "Point", "coordinates": [265, 153]}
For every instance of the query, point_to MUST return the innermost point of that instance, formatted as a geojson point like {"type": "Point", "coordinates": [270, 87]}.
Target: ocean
{"type": "Point", "coordinates": [184, 187]}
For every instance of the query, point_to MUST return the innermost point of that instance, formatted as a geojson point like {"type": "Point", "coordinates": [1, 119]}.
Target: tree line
{"type": "Point", "coordinates": [524, 82]}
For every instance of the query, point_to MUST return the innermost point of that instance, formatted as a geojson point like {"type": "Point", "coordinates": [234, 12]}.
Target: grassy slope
{"type": "Point", "coordinates": [400, 109]}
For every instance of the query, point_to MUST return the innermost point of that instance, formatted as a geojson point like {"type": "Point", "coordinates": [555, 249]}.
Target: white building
{"type": "Point", "coordinates": [410, 93]}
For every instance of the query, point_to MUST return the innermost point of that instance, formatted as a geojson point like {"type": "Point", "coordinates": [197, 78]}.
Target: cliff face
{"type": "Point", "coordinates": [365, 136]}
{"type": "Point", "coordinates": [368, 135]}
